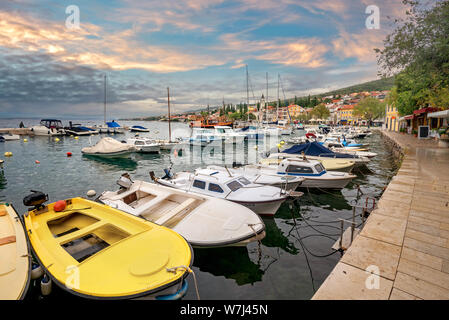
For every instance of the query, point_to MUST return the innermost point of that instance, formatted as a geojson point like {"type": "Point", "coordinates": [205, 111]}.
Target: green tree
{"type": "Point", "coordinates": [370, 109]}
{"type": "Point", "coordinates": [320, 112]}
{"type": "Point", "coordinates": [419, 49]}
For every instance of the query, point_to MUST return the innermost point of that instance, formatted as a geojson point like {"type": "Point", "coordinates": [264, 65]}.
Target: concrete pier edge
{"type": "Point", "coordinates": [402, 252]}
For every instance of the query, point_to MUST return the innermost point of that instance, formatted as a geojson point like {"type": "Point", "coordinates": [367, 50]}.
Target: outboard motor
{"type": "Point", "coordinates": [125, 181]}
{"type": "Point", "coordinates": [36, 200]}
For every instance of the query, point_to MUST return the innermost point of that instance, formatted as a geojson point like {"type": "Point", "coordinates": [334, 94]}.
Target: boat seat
{"type": "Point", "coordinates": [173, 212]}
{"type": "Point", "coordinates": [6, 240]}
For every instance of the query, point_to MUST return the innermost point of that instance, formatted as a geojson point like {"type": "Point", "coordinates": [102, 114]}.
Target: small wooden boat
{"type": "Point", "coordinates": [139, 129]}
{"type": "Point", "coordinates": [15, 258]}
{"type": "Point", "coordinates": [109, 148]}
{"type": "Point", "coordinates": [203, 221]}
{"type": "Point", "coordinates": [95, 251]}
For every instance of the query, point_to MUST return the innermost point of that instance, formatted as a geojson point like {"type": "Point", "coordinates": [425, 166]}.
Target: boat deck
{"type": "Point", "coordinates": [403, 250]}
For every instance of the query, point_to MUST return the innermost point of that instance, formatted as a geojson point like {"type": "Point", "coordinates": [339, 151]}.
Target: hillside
{"type": "Point", "coordinates": [375, 85]}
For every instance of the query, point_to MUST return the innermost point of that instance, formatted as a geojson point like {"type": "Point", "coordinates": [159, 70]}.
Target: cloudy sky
{"type": "Point", "coordinates": [198, 48]}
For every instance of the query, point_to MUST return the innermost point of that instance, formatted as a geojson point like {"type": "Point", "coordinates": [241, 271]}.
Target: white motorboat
{"type": "Point", "coordinates": [79, 130]}
{"type": "Point", "coordinates": [255, 175]}
{"type": "Point", "coordinates": [263, 200]}
{"type": "Point", "coordinates": [229, 135]}
{"type": "Point", "coordinates": [144, 145]}
{"type": "Point", "coordinates": [49, 127]}
{"type": "Point", "coordinates": [166, 144]}
{"type": "Point", "coordinates": [10, 137]}
{"type": "Point", "coordinates": [202, 220]}
{"type": "Point", "coordinates": [109, 148]}
{"type": "Point", "coordinates": [202, 137]}
{"type": "Point", "coordinates": [313, 171]}
{"type": "Point", "coordinates": [114, 127]}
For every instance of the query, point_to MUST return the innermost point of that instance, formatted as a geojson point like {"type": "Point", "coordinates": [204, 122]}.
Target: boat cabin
{"type": "Point", "coordinates": [216, 183]}
{"type": "Point", "coordinates": [298, 167]}
{"type": "Point", "coordinates": [51, 123]}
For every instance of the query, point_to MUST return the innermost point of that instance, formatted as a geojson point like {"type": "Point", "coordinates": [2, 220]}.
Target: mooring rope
{"type": "Point", "coordinates": [185, 268]}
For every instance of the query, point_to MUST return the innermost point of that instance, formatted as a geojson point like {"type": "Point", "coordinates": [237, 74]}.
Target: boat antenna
{"type": "Point", "coordinates": [169, 124]}
{"type": "Point", "coordinates": [226, 167]}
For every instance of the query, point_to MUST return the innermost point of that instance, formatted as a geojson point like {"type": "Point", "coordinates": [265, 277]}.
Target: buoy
{"type": "Point", "coordinates": [69, 154]}
{"type": "Point", "coordinates": [279, 145]}
{"type": "Point", "coordinates": [37, 161]}
{"type": "Point", "coordinates": [25, 140]}
{"type": "Point", "coordinates": [8, 154]}
{"type": "Point", "coordinates": [36, 271]}
{"type": "Point", "coordinates": [56, 139]}
{"type": "Point", "coordinates": [91, 193]}
{"type": "Point", "coordinates": [76, 137]}
{"type": "Point", "coordinates": [46, 285]}
{"type": "Point", "coordinates": [282, 142]}
{"type": "Point", "coordinates": [59, 205]}
{"type": "Point", "coordinates": [256, 147]}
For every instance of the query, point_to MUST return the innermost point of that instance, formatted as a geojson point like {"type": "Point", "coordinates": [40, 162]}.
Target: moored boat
{"type": "Point", "coordinates": [95, 251]}
{"type": "Point", "coordinates": [109, 148]}
{"type": "Point", "coordinates": [139, 129]}
{"type": "Point", "coordinates": [48, 127]}
{"type": "Point", "coordinates": [263, 200]}
{"type": "Point", "coordinates": [15, 265]}
{"type": "Point", "coordinates": [202, 220]}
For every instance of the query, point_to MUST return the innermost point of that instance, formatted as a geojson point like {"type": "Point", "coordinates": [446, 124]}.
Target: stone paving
{"type": "Point", "coordinates": [405, 241]}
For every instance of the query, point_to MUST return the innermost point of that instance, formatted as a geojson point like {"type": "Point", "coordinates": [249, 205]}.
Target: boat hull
{"type": "Point", "coordinates": [262, 208]}
{"type": "Point", "coordinates": [120, 154]}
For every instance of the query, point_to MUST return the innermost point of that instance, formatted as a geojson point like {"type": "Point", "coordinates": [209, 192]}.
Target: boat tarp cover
{"type": "Point", "coordinates": [139, 127]}
{"type": "Point", "coordinates": [107, 145]}
{"type": "Point", "coordinates": [315, 149]}
{"type": "Point", "coordinates": [113, 124]}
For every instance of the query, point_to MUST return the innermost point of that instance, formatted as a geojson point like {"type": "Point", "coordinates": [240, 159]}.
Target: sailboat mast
{"type": "Point", "coordinates": [247, 90]}
{"type": "Point", "coordinates": [266, 101]}
{"type": "Point", "coordinates": [169, 123]}
{"type": "Point", "coordinates": [104, 99]}
{"type": "Point", "coordinates": [277, 104]}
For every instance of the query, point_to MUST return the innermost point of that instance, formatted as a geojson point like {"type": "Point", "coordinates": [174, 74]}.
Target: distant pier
{"type": "Point", "coordinates": [19, 131]}
{"type": "Point", "coordinates": [402, 251]}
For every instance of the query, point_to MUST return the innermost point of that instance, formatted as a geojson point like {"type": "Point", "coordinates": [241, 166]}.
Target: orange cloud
{"type": "Point", "coordinates": [91, 45]}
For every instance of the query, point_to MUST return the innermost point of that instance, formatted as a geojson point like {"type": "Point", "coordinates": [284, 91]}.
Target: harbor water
{"type": "Point", "coordinates": [292, 260]}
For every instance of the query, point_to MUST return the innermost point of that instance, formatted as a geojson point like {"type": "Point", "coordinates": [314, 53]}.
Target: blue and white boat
{"type": "Point", "coordinates": [114, 127]}
{"type": "Point", "coordinates": [139, 129]}
{"type": "Point", "coordinates": [252, 133]}
{"type": "Point", "coordinates": [202, 137]}
{"type": "Point", "coordinates": [312, 171]}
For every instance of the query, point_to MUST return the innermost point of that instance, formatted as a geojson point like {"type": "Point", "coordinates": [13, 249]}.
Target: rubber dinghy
{"type": "Point", "coordinates": [109, 148]}
{"type": "Point", "coordinates": [203, 221]}
{"type": "Point", "coordinates": [95, 251]}
{"type": "Point", "coordinates": [15, 258]}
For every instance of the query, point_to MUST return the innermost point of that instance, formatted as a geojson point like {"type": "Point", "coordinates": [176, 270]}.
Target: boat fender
{"type": "Point", "coordinates": [46, 285]}
{"type": "Point", "coordinates": [91, 193]}
{"type": "Point", "coordinates": [59, 205]}
{"type": "Point", "coordinates": [36, 271]}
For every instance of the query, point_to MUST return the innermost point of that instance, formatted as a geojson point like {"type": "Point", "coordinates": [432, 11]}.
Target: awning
{"type": "Point", "coordinates": [408, 117]}
{"type": "Point", "coordinates": [439, 114]}
{"type": "Point", "coordinates": [425, 110]}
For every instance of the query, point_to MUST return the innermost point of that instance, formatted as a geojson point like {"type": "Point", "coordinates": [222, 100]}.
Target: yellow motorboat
{"type": "Point", "coordinates": [95, 251]}
{"type": "Point", "coordinates": [329, 164]}
{"type": "Point", "coordinates": [15, 258]}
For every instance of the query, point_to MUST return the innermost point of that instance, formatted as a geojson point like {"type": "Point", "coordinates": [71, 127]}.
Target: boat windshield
{"type": "Point", "coordinates": [244, 181]}
{"type": "Point", "coordinates": [234, 185]}
{"type": "Point", "coordinates": [319, 168]}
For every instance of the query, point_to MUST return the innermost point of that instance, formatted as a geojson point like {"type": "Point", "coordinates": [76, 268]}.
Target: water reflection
{"type": "Point", "coordinates": [230, 262]}
{"type": "Point", "coordinates": [118, 163]}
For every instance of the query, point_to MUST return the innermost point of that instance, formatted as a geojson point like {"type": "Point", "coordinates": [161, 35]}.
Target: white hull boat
{"type": "Point", "coordinates": [313, 171]}
{"type": "Point", "coordinates": [10, 137]}
{"type": "Point", "coordinates": [263, 200]}
{"type": "Point", "coordinates": [202, 220]}
{"type": "Point", "coordinates": [144, 145]}
{"type": "Point", "coordinates": [253, 174]}
{"type": "Point", "coordinates": [109, 148]}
